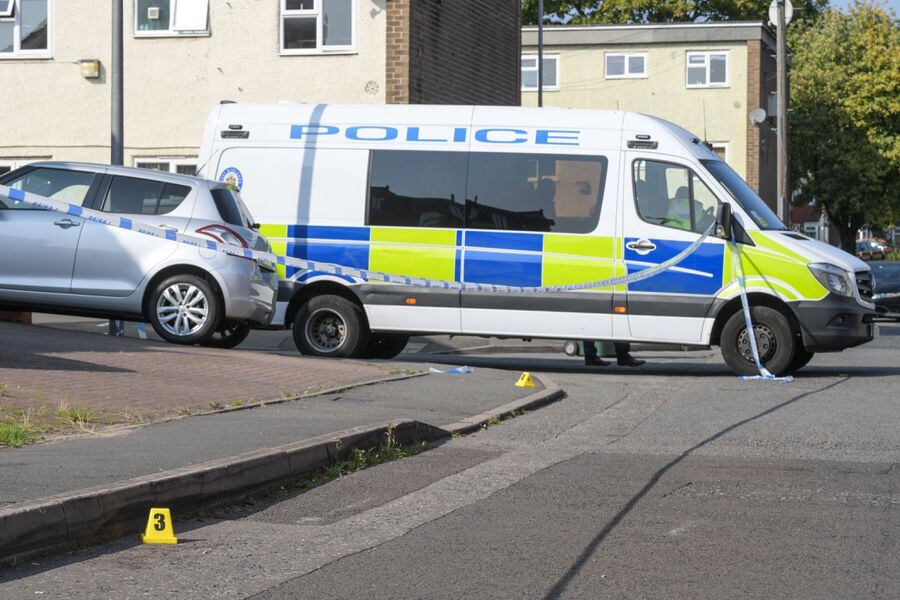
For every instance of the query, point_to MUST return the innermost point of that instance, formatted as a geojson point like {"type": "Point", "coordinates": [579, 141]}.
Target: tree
{"type": "Point", "coordinates": [845, 119]}
{"type": "Point", "coordinates": [661, 11]}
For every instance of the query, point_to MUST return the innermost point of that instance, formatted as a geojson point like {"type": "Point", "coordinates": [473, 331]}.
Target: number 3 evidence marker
{"type": "Point", "coordinates": [159, 527]}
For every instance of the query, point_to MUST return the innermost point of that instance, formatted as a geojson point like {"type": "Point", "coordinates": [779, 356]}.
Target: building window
{"type": "Point", "coordinates": [530, 73]}
{"type": "Point", "coordinates": [25, 28]}
{"type": "Point", "coordinates": [721, 149]}
{"type": "Point", "coordinates": [11, 164]}
{"type": "Point", "coordinates": [318, 26]}
{"type": "Point", "coordinates": [707, 69]}
{"type": "Point", "coordinates": [181, 166]}
{"type": "Point", "coordinates": [171, 17]}
{"type": "Point", "coordinates": [625, 66]}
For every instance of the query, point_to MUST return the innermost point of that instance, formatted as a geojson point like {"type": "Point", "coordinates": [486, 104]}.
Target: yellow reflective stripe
{"type": "Point", "coordinates": [274, 231]}
{"type": "Point", "coordinates": [414, 261]}
{"type": "Point", "coordinates": [760, 238]}
{"type": "Point", "coordinates": [579, 245]}
{"type": "Point", "coordinates": [433, 237]}
{"type": "Point", "coordinates": [280, 248]}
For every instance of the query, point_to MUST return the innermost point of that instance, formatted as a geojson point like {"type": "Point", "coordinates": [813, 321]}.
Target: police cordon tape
{"type": "Point", "coordinates": [43, 202]}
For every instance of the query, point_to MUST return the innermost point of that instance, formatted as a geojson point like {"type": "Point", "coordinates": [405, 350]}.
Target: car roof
{"type": "Point", "coordinates": [129, 172]}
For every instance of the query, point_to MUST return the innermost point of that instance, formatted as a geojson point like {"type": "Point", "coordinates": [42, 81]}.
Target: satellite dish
{"type": "Point", "coordinates": [758, 115]}
{"type": "Point", "coordinates": [773, 12]}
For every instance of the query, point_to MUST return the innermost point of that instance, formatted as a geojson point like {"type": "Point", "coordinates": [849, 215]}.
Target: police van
{"type": "Point", "coordinates": [528, 198]}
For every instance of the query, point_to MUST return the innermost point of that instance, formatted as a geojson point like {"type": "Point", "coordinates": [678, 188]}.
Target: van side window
{"type": "Point", "coordinates": [416, 189]}
{"type": "Point", "coordinates": [535, 192]}
{"type": "Point", "coordinates": [59, 184]}
{"type": "Point", "coordinates": [134, 196]}
{"type": "Point", "coordinates": [673, 196]}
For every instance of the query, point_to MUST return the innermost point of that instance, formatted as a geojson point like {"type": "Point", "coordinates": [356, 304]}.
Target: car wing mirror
{"type": "Point", "coordinates": [724, 220]}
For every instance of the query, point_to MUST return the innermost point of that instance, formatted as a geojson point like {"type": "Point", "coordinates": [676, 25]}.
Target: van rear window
{"type": "Point", "coordinates": [486, 190]}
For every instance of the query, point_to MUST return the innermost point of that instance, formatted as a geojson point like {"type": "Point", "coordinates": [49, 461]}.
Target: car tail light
{"type": "Point", "coordinates": [223, 234]}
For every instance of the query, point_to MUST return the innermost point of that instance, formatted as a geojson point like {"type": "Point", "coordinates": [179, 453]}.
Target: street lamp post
{"type": "Point", "coordinates": [540, 53]}
{"type": "Point", "coordinates": [116, 147]}
{"type": "Point", "coordinates": [782, 127]}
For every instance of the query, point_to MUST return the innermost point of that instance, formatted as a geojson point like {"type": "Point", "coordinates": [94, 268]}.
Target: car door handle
{"type": "Point", "coordinates": [66, 223]}
{"type": "Point", "coordinates": [641, 246]}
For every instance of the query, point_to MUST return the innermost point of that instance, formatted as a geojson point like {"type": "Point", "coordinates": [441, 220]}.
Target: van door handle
{"type": "Point", "coordinates": [641, 246]}
{"type": "Point", "coordinates": [66, 223]}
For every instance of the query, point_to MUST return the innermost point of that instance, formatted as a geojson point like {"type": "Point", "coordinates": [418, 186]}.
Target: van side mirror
{"type": "Point", "coordinates": [723, 218]}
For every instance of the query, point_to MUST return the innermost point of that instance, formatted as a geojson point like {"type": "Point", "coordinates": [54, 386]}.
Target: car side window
{"type": "Point", "coordinates": [59, 184]}
{"type": "Point", "coordinates": [673, 196]}
{"type": "Point", "coordinates": [134, 196]}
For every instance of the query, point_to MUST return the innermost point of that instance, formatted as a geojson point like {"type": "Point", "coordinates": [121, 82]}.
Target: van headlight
{"type": "Point", "coordinates": [835, 279]}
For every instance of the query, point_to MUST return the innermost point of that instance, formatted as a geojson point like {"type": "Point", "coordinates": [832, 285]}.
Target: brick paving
{"type": "Point", "coordinates": [122, 376]}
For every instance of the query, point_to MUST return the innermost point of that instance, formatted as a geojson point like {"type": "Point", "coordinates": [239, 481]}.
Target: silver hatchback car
{"type": "Point", "coordinates": [52, 262]}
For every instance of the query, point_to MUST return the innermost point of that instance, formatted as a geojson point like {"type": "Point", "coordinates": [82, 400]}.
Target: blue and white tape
{"type": "Point", "coordinates": [45, 203]}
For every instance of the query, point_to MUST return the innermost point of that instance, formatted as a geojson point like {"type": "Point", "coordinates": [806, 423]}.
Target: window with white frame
{"type": "Point", "coordinates": [181, 166]}
{"type": "Point", "coordinates": [11, 164]}
{"type": "Point", "coordinates": [621, 65]}
{"type": "Point", "coordinates": [707, 69]}
{"type": "Point", "coordinates": [721, 149]}
{"type": "Point", "coordinates": [530, 72]}
{"type": "Point", "coordinates": [25, 28]}
{"type": "Point", "coordinates": [171, 17]}
{"type": "Point", "coordinates": [318, 26]}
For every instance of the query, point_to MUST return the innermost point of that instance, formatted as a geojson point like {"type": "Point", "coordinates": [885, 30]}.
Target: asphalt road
{"type": "Point", "coordinates": [674, 480]}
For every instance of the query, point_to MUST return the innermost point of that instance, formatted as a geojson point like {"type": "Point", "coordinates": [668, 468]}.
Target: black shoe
{"type": "Point", "coordinates": [595, 361]}
{"type": "Point", "coordinates": [630, 361]}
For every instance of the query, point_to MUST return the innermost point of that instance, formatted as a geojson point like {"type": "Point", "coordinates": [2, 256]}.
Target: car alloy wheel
{"type": "Point", "coordinates": [182, 309]}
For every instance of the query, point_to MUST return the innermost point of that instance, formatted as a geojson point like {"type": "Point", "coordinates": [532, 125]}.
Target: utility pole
{"type": "Point", "coordinates": [782, 122]}
{"type": "Point", "coordinates": [116, 148]}
{"type": "Point", "coordinates": [540, 53]}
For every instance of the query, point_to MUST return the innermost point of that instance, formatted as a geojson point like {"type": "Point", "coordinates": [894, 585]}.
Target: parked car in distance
{"type": "Point", "coordinates": [887, 288]}
{"type": "Point", "coordinates": [870, 250]}
{"type": "Point", "coordinates": [58, 263]}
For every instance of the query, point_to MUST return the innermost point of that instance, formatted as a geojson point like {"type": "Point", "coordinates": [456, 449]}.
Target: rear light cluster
{"type": "Point", "coordinates": [224, 235]}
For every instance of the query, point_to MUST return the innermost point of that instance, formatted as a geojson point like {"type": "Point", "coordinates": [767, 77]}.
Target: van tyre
{"type": "Point", "coordinates": [229, 335]}
{"type": "Point", "coordinates": [331, 326]}
{"type": "Point", "coordinates": [776, 342]}
{"type": "Point", "coordinates": [184, 309]}
{"type": "Point", "coordinates": [385, 345]}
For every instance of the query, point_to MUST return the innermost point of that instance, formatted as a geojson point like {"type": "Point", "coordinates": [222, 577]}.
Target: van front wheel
{"type": "Point", "coordinates": [330, 326]}
{"type": "Point", "coordinates": [775, 341]}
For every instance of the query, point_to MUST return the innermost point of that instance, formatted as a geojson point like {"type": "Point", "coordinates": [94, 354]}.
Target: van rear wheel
{"type": "Point", "coordinates": [775, 341]}
{"type": "Point", "coordinates": [330, 326]}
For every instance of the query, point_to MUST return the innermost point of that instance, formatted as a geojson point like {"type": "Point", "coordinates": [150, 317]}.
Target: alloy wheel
{"type": "Point", "coordinates": [182, 309]}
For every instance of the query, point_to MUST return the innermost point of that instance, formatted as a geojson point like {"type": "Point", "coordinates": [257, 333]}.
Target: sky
{"type": "Point", "coordinates": [895, 4]}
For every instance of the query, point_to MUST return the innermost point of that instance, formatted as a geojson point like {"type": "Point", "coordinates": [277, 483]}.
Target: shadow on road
{"type": "Point", "coordinates": [591, 548]}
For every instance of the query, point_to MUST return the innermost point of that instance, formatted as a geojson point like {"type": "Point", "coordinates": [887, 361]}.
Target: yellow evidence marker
{"type": "Point", "coordinates": [525, 380]}
{"type": "Point", "coordinates": [159, 527]}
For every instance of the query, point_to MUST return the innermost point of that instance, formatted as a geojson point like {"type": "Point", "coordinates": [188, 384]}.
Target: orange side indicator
{"type": "Point", "coordinates": [621, 310]}
{"type": "Point", "coordinates": [410, 300]}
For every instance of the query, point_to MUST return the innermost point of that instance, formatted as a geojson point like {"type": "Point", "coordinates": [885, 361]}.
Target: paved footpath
{"type": "Point", "coordinates": [675, 480]}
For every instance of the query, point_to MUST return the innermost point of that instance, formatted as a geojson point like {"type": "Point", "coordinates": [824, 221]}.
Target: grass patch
{"type": "Point", "coordinates": [16, 435]}
{"type": "Point", "coordinates": [2, 389]}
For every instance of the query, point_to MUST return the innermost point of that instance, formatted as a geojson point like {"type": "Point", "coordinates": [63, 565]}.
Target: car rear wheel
{"type": "Point", "coordinates": [230, 335]}
{"type": "Point", "coordinates": [385, 345]}
{"type": "Point", "coordinates": [184, 309]}
{"type": "Point", "coordinates": [775, 341]}
{"type": "Point", "coordinates": [330, 326]}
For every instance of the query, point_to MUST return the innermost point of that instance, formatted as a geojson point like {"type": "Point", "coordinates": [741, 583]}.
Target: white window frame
{"type": "Point", "coordinates": [707, 63]}
{"type": "Point", "coordinates": [722, 146]}
{"type": "Point", "coordinates": [547, 57]}
{"type": "Point", "coordinates": [318, 12]}
{"type": "Point", "coordinates": [170, 31]}
{"type": "Point", "coordinates": [174, 163]}
{"type": "Point", "coordinates": [17, 52]}
{"type": "Point", "coordinates": [627, 74]}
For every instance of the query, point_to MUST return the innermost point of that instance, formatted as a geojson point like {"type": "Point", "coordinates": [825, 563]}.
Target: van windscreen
{"type": "Point", "coordinates": [755, 206]}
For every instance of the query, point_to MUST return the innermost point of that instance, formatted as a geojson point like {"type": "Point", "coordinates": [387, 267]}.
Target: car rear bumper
{"type": "Point", "coordinates": [249, 291]}
{"type": "Point", "coordinates": [834, 324]}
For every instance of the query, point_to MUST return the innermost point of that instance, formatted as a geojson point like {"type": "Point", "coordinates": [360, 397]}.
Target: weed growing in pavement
{"type": "Point", "coordinates": [237, 403]}
{"type": "Point", "coordinates": [215, 406]}
{"type": "Point", "coordinates": [16, 435]}
{"type": "Point", "coordinates": [2, 389]}
{"type": "Point", "coordinates": [182, 411]}
{"type": "Point", "coordinates": [493, 421]}
{"type": "Point", "coordinates": [76, 416]}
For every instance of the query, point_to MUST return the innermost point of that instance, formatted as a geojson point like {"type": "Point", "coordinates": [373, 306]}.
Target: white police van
{"type": "Point", "coordinates": [525, 197]}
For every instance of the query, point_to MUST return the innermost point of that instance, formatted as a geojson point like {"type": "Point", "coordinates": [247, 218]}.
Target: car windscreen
{"type": "Point", "coordinates": [755, 206]}
{"type": "Point", "coordinates": [230, 207]}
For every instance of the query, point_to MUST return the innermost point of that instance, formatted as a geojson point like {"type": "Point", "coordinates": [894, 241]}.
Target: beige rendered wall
{"type": "Point", "coordinates": [172, 83]}
{"type": "Point", "coordinates": [663, 93]}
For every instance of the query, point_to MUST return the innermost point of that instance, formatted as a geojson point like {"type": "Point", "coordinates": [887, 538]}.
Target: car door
{"type": "Point", "coordinates": [39, 246]}
{"type": "Point", "coordinates": [112, 261]}
{"type": "Point", "coordinates": [534, 220]}
{"type": "Point", "coordinates": [670, 206]}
